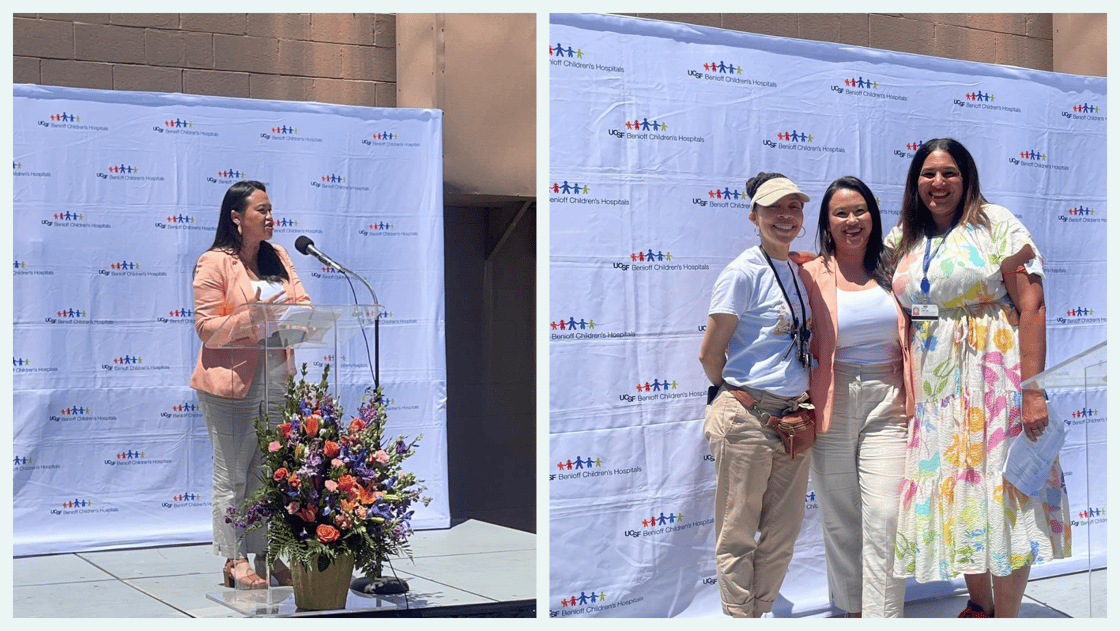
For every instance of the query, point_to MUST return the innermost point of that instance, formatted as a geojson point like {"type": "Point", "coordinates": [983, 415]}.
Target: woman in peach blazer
{"type": "Point", "coordinates": [863, 393]}
{"type": "Point", "coordinates": [240, 268]}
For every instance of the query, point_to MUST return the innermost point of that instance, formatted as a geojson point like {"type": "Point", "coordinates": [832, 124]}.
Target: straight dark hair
{"type": "Point", "coordinates": [873, 262]}
{"type": "Point", "coordinates": [227, 239]}
{"type": "Point", "coordinates": [916, 218]}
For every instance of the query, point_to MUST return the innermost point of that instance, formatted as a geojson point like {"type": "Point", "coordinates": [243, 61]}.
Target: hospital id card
{"type": "Point", "coordinates": [924, 312]}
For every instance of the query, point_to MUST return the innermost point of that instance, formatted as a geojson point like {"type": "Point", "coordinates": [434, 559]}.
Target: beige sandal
{"type": "Point", "coordinates": [238, 573]}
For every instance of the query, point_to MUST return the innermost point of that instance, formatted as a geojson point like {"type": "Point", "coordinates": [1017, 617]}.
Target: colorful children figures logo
{"type": "Point", "coordinates": [331, 487]}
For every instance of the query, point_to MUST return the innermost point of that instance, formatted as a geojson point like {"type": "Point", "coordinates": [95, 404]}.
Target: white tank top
{"type": "Point", "coordinates": [277, 361]}
{"type": "Point", "coordinates": [268, 288]}
{"type": "Point", "coordinates": [867, 327]}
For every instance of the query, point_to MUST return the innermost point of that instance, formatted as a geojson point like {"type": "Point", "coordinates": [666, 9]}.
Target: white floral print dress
{"type": "Point", "coordinates": [956, 513]}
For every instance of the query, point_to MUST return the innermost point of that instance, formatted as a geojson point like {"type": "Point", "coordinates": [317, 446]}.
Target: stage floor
{"type": "Point", "coordinates": [472, 563]}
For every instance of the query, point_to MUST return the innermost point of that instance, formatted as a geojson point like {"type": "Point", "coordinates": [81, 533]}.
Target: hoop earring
{"type": "Point", "coordinates": [757, 231]}
{"type": "Point", "coordinates": [802, 232]}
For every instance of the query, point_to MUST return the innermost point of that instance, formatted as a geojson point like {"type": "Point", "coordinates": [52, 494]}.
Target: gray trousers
{"type": "Point", "coordinates": [237, 457]}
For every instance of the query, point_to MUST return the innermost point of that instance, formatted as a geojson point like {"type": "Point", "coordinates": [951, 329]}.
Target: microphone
{"type": "Point", "coordinates": [307, 246]}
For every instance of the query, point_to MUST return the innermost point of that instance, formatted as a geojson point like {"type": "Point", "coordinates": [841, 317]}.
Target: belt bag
{"type": "Point", "coordinates": [796, 426]}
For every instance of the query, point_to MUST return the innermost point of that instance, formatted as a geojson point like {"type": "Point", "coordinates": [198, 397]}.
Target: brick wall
{"type": "Point", "coordinates": [1014, 39]}
{"type": "Point", "coordinates": [348, 59]}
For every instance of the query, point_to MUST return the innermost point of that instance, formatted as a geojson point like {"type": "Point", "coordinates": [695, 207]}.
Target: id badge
{"type": "Point", "coordinates": [923, 312]}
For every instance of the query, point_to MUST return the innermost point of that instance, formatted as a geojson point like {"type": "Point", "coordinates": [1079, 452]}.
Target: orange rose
{"type": "Point", "coordinates": [357, 425]}
{"type": "Point", "coordinates": [326, 534]}
{"type": "Point", "coordinates": [308, 514]}
{"type": "Point", "coordinates": [346, 482]}
{"type": "Point", "coordinates": [280, 474]}
{"type": "Point", "coordinates": [330, 449]}
{"type": "Point", "coordinates": [366, 496]}
{"type": "Point", "coordinates": [311, 425]}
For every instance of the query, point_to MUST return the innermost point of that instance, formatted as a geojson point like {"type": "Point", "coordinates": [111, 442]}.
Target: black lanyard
{"type": "Point", "coordinates": [800, 331]}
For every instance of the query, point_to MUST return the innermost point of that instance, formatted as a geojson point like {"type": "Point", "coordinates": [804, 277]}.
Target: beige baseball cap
{"type": "Point", "coordinates": [773, 190]}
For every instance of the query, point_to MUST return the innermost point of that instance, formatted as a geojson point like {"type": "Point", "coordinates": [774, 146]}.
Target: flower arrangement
{"type": "Point", "coordinates": [330, 487]}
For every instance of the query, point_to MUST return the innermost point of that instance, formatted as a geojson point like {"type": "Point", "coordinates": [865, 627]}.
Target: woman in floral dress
{"type": "Point", "coordinates": [970, 275]}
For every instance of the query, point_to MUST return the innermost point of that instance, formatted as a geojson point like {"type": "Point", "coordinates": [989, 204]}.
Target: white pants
{"type": "Point", "coordinates": [857, 467]}
{"type": "Point", "coordinates": [237, 457]}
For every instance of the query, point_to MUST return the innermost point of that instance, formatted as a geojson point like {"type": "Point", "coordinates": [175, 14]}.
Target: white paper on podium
{"type": "Point", "coordinates": [1029, 462]}
{"type": "Point", "coordinates": [297, 324]}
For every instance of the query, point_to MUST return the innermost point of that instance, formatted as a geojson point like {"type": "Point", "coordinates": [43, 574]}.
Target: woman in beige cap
{"type": "Point", "coordinates": [756, 352]}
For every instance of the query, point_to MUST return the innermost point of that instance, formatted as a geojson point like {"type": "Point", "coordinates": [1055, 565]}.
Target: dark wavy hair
{"type": "Point", "coordinates": [227, 239]}
{"type": "Point", "coordinates": [916, 218]}
{"type": "Point", "coordinates": [873, 261]}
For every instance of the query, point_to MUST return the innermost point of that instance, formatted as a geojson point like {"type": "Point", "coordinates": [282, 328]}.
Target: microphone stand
{"type": "Point", "coordinates": [306, 246]}
{"type": "Point", "coordinates": [376, 325]}
{"type": "Point", "coordinates": [383, 585]}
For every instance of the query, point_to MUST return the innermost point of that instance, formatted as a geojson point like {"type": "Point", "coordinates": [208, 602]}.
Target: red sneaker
{"type": "Point", "coordinates": [973, 611]}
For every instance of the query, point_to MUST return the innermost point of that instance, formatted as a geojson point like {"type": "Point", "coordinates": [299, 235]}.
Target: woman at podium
{"type": "Point", "coordinates": [240, 268]}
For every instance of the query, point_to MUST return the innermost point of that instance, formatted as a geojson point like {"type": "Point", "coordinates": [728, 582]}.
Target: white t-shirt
{"type": "Point", "coordinates": [866, 327]}
{"type": "Point", "coordinates": [757, 354]}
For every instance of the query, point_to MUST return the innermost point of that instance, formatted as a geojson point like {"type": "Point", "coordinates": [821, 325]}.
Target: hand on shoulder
{"type": "Point", "coordinates": [802, 258]}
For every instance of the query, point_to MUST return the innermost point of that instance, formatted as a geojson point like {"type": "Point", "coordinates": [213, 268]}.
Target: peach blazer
{"type": "Point", "coordinates": [819, 276]}
{"type": "Point", "coordinates": [221, 284]}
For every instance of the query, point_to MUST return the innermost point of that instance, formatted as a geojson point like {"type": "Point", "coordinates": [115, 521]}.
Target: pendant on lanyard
{"type": "Point", "coordinates": [800, 331]}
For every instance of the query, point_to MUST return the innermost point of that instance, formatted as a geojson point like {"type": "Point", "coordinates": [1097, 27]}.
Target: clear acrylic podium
{"type": "Point", "coordinates": [272, 333]}
{"type": "Point", "coordinates": [1078, 381]}
{"type": "Point", "coordinates": [277, 330]}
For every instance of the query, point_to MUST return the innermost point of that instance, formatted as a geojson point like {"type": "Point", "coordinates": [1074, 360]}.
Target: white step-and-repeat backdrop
{"type": "Point", "coordinates": [654, 129]}
{"type": "Point", "coordinates": [116, 196]}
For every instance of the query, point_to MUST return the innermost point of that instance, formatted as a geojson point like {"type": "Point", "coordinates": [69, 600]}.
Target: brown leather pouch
{"type": "Point", "coordinates": [798, 430]}
{"type": "Point", "coordinates": [797, 427]}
